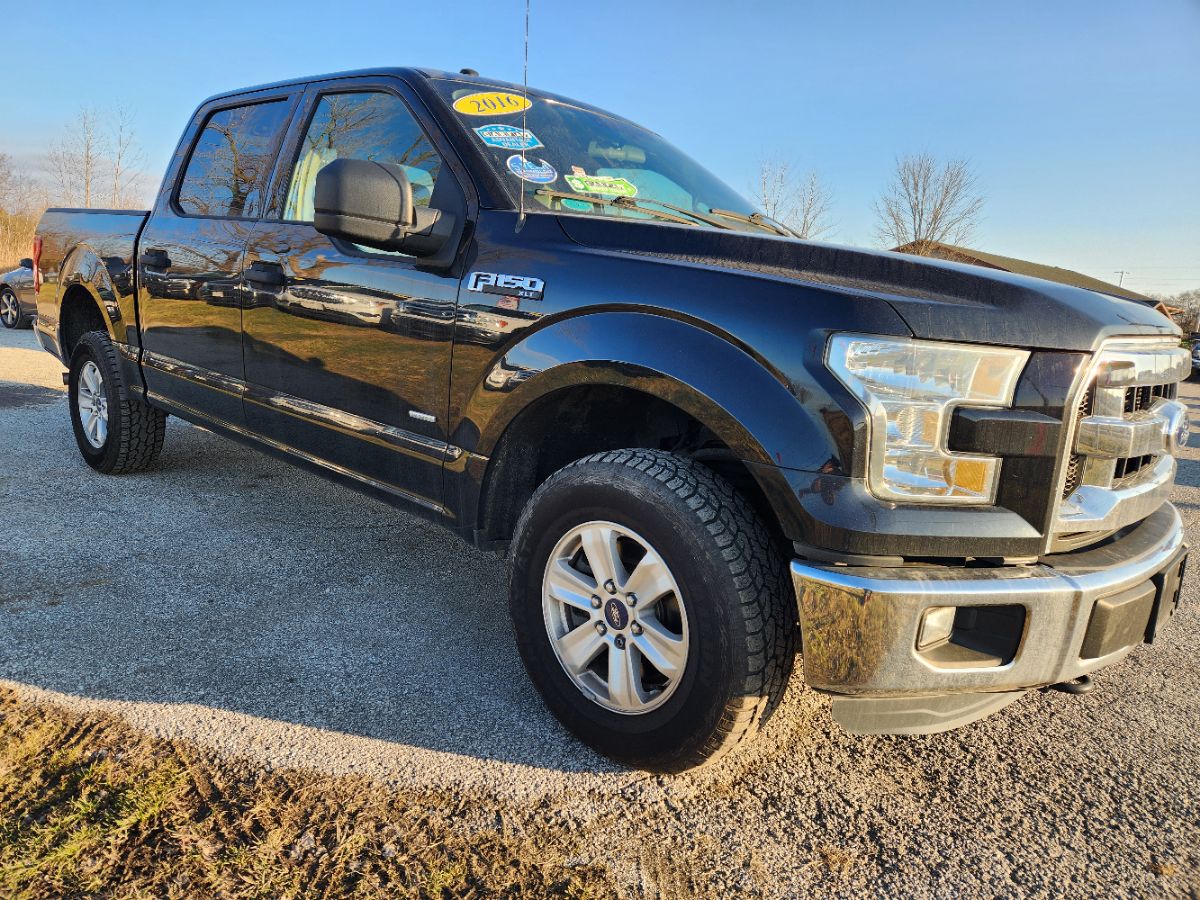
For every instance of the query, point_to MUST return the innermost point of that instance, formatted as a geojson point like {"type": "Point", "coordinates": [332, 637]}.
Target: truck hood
{"type": "Point", "coordinates": [937, 300]}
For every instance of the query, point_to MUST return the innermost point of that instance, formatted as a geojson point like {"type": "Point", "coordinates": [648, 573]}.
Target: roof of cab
{"type": "Point", "coordinates": [408, 74]}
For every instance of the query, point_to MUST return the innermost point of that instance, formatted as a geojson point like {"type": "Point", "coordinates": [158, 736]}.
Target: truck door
{"type": "Point", "coordinates": [190, 258]}
{"type": "Point", "coordinates": [347, 349]}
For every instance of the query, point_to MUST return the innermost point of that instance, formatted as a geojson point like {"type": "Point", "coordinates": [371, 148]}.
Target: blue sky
{"type": "Point", "coordinates": [1081, 117]}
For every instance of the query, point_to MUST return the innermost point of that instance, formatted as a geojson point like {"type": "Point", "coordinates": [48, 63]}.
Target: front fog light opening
{"type": "Point", "coordinates": [970, 637]}
{"type": "Point", "coordinates": [936, 626]}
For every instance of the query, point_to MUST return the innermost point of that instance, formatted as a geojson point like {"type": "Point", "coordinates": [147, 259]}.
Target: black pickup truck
{"type": "Point", "coordinates": [705, 444]}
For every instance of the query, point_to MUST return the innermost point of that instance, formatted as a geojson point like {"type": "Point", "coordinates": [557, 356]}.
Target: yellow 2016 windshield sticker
{"type": "Point", "coordinates": [490, 103]}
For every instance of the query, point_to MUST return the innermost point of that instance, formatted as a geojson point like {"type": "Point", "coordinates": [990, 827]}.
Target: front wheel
{"type": "Point", "coordinates": [116, 431]}
{"type": "Point", "coordinates": [650, 608]}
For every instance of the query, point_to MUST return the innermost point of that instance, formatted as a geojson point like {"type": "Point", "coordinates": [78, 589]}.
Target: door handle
{"type": "Point", "coordinates": [267, 274]}
{"type": "Point", "coordinates": [156, 259]}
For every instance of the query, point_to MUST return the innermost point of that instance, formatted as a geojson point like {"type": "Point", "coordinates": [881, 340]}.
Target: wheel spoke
{"type": "Point", "coordinates": [625, 679]}
{"type": "Point", "coordinates": [569, 586]}
{"type": "Point", "coordinates": [600, 547]}
{"type": "Point", "coordinates": [650, 579]}
{"type": "Point", "coordinates": [665, 651]}
{"type": "Point", "coordinates": [101, 429]}
{"type": "Point", "coordinates": [579, 647]}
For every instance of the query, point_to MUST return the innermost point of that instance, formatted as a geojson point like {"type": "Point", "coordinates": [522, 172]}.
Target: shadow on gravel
{"type": "Point", "coordinates": [15, 395]}
{"type": "Point", "coordinates": [228, 582]}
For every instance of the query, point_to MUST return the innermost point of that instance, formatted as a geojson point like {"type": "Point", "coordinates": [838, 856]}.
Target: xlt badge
{"type": "Point", "coordinates": [524, 286]}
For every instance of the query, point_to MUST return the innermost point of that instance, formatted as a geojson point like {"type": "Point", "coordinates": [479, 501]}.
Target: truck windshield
{"type": "Point", "coordinates": [572, 159]}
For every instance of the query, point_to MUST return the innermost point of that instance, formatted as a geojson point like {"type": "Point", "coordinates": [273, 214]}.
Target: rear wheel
{"type": "Point", "coordinates": [116, 431]}
{"type": "Point", "coordinates": [10, 310]}
{"type": "Point", "coordinates": [650, 608]}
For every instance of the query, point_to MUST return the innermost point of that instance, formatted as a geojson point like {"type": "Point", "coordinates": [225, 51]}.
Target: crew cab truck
{"type": "Point", "coordinates": [705, 444]}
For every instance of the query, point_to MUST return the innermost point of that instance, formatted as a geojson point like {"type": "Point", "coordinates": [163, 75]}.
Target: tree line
{"type": "Point", "coordinates": [96, 162]}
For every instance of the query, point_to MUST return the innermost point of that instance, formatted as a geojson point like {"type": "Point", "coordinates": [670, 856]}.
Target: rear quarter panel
{"type": "Point", "coordinates": [95, 250]}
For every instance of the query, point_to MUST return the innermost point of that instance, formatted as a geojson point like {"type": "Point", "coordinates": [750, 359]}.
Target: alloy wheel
{"type": "Point", "coordinates": [615, 617]}
{"type": "Point", "coordinates": [93, 404]}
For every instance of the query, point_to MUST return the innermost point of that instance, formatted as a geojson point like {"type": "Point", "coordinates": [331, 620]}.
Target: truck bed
{"type": "Point", "coordinates": [96, 249]}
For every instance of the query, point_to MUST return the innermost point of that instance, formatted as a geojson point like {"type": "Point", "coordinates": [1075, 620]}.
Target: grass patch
{"type": "Point", "coordinates": [90, 807]}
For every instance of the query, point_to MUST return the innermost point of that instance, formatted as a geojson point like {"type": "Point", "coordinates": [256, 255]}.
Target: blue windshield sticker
{"type": "Point", "coordinates": [540, 172]}
{"type": "Point", "coordinates": [507, 137]}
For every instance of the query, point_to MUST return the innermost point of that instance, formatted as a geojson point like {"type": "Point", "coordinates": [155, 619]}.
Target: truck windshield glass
{"type": "Point", "coordinates": [582, 161]}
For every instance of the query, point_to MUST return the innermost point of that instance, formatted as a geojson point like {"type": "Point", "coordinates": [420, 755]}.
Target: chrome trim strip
{"type": "Point", "coordinates": [300, 454]}
{"type": "Point", "coordinates": [226, 384]}
{"type": "Point", "coordinates": [307, 410]}
{"type": "Point", "coordinates": [1124, 366]}
{"type": "Point", "coordinates": [351, 424]}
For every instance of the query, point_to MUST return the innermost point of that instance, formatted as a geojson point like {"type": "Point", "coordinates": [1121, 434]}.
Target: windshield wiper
{"type": "Point", "coordinates": [631, 203]}
{"type": "Point", "coordinates": [757, 219]}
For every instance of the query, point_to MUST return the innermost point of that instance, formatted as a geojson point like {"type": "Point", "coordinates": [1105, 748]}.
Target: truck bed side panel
{"type": "Point", "coordinates": [93, 251]}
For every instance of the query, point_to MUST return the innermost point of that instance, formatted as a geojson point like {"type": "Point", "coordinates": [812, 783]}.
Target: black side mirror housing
{"type": "Point", "coordinates": [371, 203]}
{"type": "Point", "coordinates": [26, 263]}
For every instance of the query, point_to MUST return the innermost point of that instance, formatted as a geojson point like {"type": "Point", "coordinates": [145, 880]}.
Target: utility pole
{"type": "Point", "coordinates": [1122, 273]}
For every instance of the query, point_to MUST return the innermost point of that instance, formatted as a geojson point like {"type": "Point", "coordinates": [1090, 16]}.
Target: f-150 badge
{"type": "Point", "coordinates": [524, 286]}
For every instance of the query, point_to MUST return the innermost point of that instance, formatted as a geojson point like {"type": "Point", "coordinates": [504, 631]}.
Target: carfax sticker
{"type": "Point", "coordinates": [507, 137]}
{"type": "Point", "coordinates": [490, 103]}
{"type": "Point", "coordinates": [604, 185]}
{"type": "Point", "coordinates": [540, 172]}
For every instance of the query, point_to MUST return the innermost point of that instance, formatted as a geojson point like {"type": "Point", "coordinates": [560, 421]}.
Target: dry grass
{"type": "Point", "coordinates": [89, 807]}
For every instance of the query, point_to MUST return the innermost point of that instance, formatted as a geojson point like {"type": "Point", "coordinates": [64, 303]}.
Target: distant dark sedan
{"type": "Point", "coordinates": [17, 303]}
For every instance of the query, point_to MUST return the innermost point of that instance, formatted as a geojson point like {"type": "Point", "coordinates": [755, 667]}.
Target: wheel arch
{"type": "Point", "coordinates": [677, 386]}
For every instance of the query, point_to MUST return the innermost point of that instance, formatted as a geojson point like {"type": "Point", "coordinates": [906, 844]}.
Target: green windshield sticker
{"type": "Point", "coordinates": [604, 185]}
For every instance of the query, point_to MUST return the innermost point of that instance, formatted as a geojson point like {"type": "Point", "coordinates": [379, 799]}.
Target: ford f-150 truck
{"type": "Point", "coordinates": [705, 444]}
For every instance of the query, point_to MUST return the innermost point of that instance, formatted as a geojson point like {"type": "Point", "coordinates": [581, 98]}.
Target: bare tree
{"type": "Point", "coordinates": [928, 203]}
{"type": "Point", "coordinates": [126, 159]}
{"type": "Point", "coordinates": [97, 159]}
{"type": "Point", "coordinates": [801, 202]}
{"type": "Point", "coordinates": [76, 161]}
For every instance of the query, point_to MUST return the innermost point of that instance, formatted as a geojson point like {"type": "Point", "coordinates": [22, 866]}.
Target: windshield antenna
{"type": "Point", "coordinates": [524, 131]}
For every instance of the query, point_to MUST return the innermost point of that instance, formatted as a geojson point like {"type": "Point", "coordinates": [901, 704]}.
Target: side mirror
{"type": "Point", "coordinates": [371, 203]}
{"type": "Point", "coordinates": [26, 263]}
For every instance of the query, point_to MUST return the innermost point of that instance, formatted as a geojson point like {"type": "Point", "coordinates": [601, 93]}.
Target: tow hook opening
{"type": "Point", "coordinates": [1077, 686]}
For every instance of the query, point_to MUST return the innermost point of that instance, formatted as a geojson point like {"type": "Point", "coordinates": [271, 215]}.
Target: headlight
{"type": "Point", "coordinates": [910, 389]}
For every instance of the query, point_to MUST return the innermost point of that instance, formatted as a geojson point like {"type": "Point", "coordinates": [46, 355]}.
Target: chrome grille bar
{"type": "Point", "coordinates": [1127, 429]}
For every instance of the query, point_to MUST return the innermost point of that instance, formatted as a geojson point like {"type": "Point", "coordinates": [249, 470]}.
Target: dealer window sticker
{"type": "Point", "coordinates": [539, 172]}
{"type": "Point", "coordinates": [508, 137]}
{"type": "Point", "coordinates": [491, 103]}
{"type": "Point", "coordinates": [604, 185]}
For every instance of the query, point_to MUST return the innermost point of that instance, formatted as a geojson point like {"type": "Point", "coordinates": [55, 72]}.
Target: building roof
{"type": "Point", "coordinates": [1025, 267]}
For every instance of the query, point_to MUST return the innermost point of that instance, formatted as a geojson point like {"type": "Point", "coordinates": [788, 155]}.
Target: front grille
{"type": "Point", "coordinates": [1075, 461]}
{"type": "Point", "coordinates": [1140, 398]}
{"type": "Point", "coordinates": [1119, 467]}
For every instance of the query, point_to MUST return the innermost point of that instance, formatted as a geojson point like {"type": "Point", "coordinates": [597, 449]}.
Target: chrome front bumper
{"type": "Point", "coordinates": [860, 628]}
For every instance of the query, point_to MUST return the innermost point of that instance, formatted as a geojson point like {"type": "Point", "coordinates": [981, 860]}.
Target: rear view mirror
{"type": "Point", "coordinates": [371, 203]}
{"type": "Point", "coordinates": [26, 263]}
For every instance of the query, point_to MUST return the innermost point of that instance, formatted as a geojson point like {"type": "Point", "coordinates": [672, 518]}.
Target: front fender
{"type": "Point", "coordinates": [747, 405]}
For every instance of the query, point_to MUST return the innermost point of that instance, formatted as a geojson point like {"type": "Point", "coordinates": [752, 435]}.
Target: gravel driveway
{"type": "Point", "coordinates": [230, 599]}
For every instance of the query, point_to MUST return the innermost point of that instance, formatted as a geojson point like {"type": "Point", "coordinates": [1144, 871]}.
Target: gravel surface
{"type": "Point", "coordinates": [232, 600]}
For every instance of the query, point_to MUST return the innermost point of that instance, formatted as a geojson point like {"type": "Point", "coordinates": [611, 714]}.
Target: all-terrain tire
{"type": "Point", "coordinates": [135, 430]}
{"type": "Point", "coordinates": [732, 580]}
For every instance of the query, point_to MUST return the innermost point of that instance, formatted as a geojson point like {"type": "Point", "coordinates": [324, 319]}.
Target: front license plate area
{"type": "Point", "coordinates": [1168, 586]}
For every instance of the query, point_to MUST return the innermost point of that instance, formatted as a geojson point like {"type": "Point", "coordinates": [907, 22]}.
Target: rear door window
{"type": "Point", "coordinates": [231, 161]}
